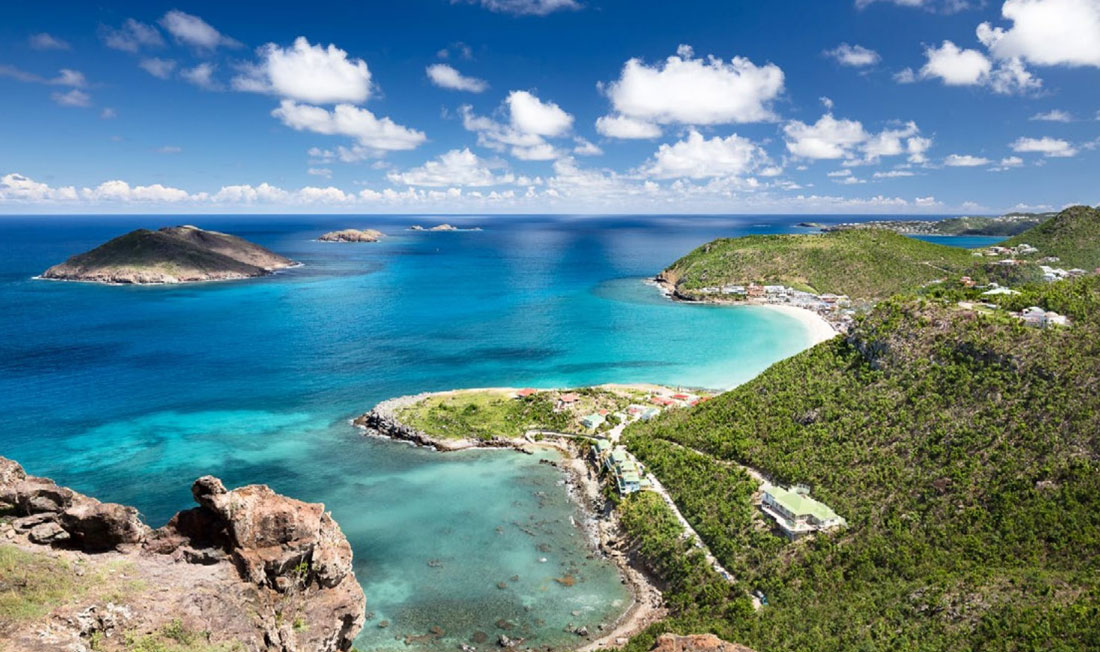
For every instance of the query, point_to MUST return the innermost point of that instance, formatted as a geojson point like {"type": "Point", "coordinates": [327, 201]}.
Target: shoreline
{"type": "Point", "coordinates": [598, 522]}
{"type": "Point", "coordinates": [273, 272]}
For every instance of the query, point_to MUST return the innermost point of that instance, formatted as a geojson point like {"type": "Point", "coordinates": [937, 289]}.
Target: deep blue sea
{"type": "Point", "coordinates": [130, 393]}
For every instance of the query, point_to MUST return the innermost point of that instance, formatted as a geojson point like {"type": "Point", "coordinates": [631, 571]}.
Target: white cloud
{"type": "Point", "coordinates": [1049, 147]}
{"type": "Point", "coordinates": [156, 67]}
{"type": "Point", "coordinates": [108, 113]}
{"type": "Point", "coordinates": [446, 76]}
{"type": "Point", "coordinates": [956, 66]}
{"type": "Point", "coordinates": [939, 6]}
{"type": "Point", "coordinates": [16, 187]}
{"type": "Point", "coordinates": [1047, 32]}
{"type": "Point", "coordinates": [853, 55]}
{"type": "Point", "coordinates": [202, 76]}
{"type": "Point", "coordinates": [620, 126]}
{"type": "Point", "coordinates": [965, 161]}
{"type": "Point", "coordinates": [75, 97]}
{"type": "Point", "coordinates": [195, 31]}
{"type": "Point", "coordinates": [586, 148]}
{"type": "Point", "coordinates": [381, 134]}
{"type": "Point", "coordinates": [695, 91]}
{"type": "Point", "coordinates": [458, 167]}
{"type": "Point", "coordinates": [44, 41]}
{"type": "Point", "coordinates": [893, 174]}
{"type": "Point", "coordinates": [65, 77]}
{"type": "Point", "coordinates": [320, 172]}
{"type": "Point", "coordinates": [849, 181]}
{"type": "Point", "coordinates": [132, 36]}
{"type": "Point", "coordinates": [696, 157]}
{"type": "Point", "coordinates": [828, 138]}
{"type": "Point", "coordinates": [531, 115]}
{"type": "Point", "coordinates": [525, 7]}
{"type": "Point", "coordinates": [310, 73]}
{"type": "Point", "coordinates": [1012, 162]}
{"type": "Point", "coordinates": [530, 122]}
{"type": "Point", "coordinates": [905, 76]}
{"type": "Point", "coordinates": [839, 173]}
{"type": "Point", "coordinates": [120, 191]}
{"type": "Point", "coordinates": [247, 194]}
{"type": "Point", "coordinates": [1054, 115]}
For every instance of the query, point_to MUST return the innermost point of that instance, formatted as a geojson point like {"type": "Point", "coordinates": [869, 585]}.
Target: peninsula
{"type": "Point", "coordinates": [1004, 225]}
{"type": "Point", "coordinates": [174, 254]}
{"type": "Point", "coordinates": [352, 235]}
{"type": "Point", "coordinates": [247, 569]}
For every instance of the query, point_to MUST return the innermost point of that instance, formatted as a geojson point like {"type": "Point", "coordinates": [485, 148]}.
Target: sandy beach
{"type": "Point", "coordinates": [817, 326]}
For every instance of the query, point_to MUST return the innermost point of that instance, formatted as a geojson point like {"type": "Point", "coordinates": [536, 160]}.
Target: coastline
{"type": "Point", "coordinates": [598, 521]}
{"type": "Point", "coordinates": [226, 279]}
{"type": "Point", "coordinates": [818, 328]}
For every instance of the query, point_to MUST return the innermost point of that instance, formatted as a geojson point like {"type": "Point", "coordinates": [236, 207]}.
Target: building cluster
{"type": "Point", "coordinates": [834, 308]}
{"type": "Point", "coordinates": [1039, 318]}
{"type": "Point", "coordinates": [1051, 274]}
{"type": "Point", "coordinates": [795, 512]}
{"type": "Point", "coordinates": [628, 473]}
{"type": "Point", "coordinates": [1018, 250]}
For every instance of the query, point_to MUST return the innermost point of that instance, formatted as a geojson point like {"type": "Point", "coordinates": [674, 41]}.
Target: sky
{"type": "Point", "coordinates": [550, 106]}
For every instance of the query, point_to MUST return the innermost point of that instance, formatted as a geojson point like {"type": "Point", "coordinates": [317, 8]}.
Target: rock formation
{"type": "Point", "coordinates": [696, 643]}
{"type": "Point", "coordinates": [174, 254]}
{"type": "Point", "coordinates": [247, 567]}
{"type": "Point", "coordinates": [352, 235]}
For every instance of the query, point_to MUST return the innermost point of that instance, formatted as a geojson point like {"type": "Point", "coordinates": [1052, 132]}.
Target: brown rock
{"type": "Point", "coordinates": [97, 526]}
{"type": "Point", "coordinates": [352, 235]}
{"type": "Point", "coordinates": [696, 643]}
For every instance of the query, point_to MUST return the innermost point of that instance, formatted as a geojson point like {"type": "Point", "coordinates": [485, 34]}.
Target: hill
{"type": "Point", "coordinates": [1072, 235]}
{"type": "Point", "coordinates": [866, 263]}
{"type": "Point", "coordinates": [175, 254]}
{"type": "Point", "coordinates": [962, 448]}
{"type": "Point", "coordinates": [1005, 225]}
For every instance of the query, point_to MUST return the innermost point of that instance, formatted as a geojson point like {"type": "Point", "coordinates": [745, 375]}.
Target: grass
{"type": "Point", "coordinates": [175, 637]}
{"type": "Point", "coordinates": [486, 414]}
{"type": "Point", "coordinates": [31, 585]}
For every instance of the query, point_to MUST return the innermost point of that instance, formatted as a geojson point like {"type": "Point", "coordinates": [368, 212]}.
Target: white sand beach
{"type": "Point", "coordinates": [818, 328]}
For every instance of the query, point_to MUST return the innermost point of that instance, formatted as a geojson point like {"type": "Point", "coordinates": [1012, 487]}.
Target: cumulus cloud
{"type": "Point", "coordinates": [65, 77]}
{"type": "Point", "coordinates": [684, 89]}
{"type": "Point", "coordinates": [380, 134]}
{"type": "Point", "coordinates": [965, 161]}
{"type": "Point", "coordinates": [830, 138]}
{"type": "Point", "coordinates": [620, 126]}
{"type": "Point", "coordinates": [446, 76]}
{"type": "Point", "coordinates": [1047, 32]}
{"type": "Point", "coordinates": [1054, 115]}
{"type": "Point", "coordinates": [853, 55]}
{"type": "Point", "coordinates": [524, 7]}
{"type": "Point", "coordinates": [1047, 146]}
{"type": "Point", "coordinates": [157, 67]}
{"type": "Point", "coordinates": [132, 36]}
{"type": "Point", "coordinates": [530, 122]}
{"type": "Point", "coordinates": [586, 148]}
{"type": "Point", "coordinates": [306, 72]}
{"type": "Point", "coordinates": [458, 167]}
{"type": "Point", "coordinates": [44, 41]}
{"type": "Point", "coordinates": [893, 174]}
{"type": "Point", "coordinates": [956, 66]}
{"type": "Point", "coordinates": [194, 31]}
{"type": "Point", "coordinates": [696, 157]}
{"type": "Point", "coordinates": [18, 188]}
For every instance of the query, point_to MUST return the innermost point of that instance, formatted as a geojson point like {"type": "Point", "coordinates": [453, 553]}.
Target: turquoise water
{"type": "Point", "coordinates": [964, 241]}
{"type": "Point", "coordinates": [130, 393]}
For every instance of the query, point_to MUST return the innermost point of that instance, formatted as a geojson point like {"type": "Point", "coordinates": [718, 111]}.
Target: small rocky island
{"type": "Point", "coordinates": [173, 254]}
{"type": "Point", "coordinates": [352, 235]}
{"type": "Point", "coordinates": [248, 569]}
{"type": "Point", "coordinates": [438, 227]}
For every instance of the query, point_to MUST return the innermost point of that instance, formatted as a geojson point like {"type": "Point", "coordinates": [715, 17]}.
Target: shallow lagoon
{"type": "Point", "coordinates": [131, 393]}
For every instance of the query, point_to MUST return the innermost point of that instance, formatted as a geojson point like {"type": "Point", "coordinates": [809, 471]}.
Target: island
{"type": "Point", "coordinates": [1003, 225]}
{"type": "Point", "coordinates": [441, 227]}
{"type": "Point", "coordinates": [247, 569]}
{"type": "Point", "coordinates": [173, 254]}
{"type": "Point", "coordinates": [352, 235]}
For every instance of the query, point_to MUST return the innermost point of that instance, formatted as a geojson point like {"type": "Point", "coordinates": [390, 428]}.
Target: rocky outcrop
{"type": "Point", "coordinates": [696, 643]}
{"type": "Point", "coordinates": [438, 227]}
{"type": "Point", "coordinates": [352, 235]}
{"type": "Point", "coordinates": [174, 254]}
{"type": "Point", "coordinates": [383, 421]}
{"type": "Point", "coordinates": [281, 569]}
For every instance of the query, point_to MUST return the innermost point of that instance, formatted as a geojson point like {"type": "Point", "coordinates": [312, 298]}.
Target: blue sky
{"type": "Point", "coordinates": [579, 106]}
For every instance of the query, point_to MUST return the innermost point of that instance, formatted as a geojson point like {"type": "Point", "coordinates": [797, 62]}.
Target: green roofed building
{"type": "Point", "coordinates": [796, 513]}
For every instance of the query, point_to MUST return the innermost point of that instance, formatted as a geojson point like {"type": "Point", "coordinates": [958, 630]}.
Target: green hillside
{"type": "Point", "coordinates": [1073, 235]}
{"type": "Point", "coordinates": [964, 451]}
{"type": "Point", "coordinates": [863, 263]}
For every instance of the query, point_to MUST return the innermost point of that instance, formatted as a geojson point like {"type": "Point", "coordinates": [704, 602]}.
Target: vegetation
{"type": "Point", "coordinates": [175, 637]}
{"type": "Point", "coordinates": [1072, 235]}
{"type": "Point", "coordinates": [865, 263]}
{"type": "Point", "coordinates": [962, 448]}
{"type": "Point", "coordinates": [1005, 225]}
{"type": "Point", "coordinates": [484, 414]}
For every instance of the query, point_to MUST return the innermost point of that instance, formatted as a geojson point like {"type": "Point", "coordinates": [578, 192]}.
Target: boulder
{"type": "Point", "coordinates": [47, 533]}
{"type": "Point", "coordinates": [97, 526]}
{"type": "Point", "coordinates": [696, 643]}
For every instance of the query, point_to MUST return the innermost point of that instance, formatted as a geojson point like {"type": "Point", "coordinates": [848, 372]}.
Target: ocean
{"type": "Point", "coordinates": [130, 393]}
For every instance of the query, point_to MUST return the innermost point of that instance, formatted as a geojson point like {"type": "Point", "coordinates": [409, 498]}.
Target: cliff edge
{"type": "Point", "coordinates": [248, 569]}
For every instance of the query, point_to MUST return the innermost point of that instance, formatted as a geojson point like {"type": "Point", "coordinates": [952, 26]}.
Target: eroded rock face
{"type": "Point", "coordinates": [352, 235]}
{"type": "Point", "coordinates": [284, 566]}
{"type": "Point", "coordinates": [696, 643]}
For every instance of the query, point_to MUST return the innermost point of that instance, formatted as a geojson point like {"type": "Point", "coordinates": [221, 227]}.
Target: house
{"type": "Point", "coordinates": [733, 289]}
{"type": "Point", "coordinates": [593, 421]}
{"type": "Point", "coordinates": [754, 290]}
{"type": "Point", "coordinates": [795, 512]}
{"type": "Point", "coordinates": [566, 400]}
{"type": "Point", "coordinates": [601, 448]}
{"type": "Point", "coordinates": [661, 400]}
{"type": "Point", "coordinates": [830, 298]}
{"type": "Point", "coordinates": [999, 290]}
{"type": "Point", "coordinates": [525, 392]}
{"type": "Point", "coordinates": [1025, 249]}
{"type": "Point", "coordinates": [649, 413]}
{"type": "Point", "coordinates": [628, 474]}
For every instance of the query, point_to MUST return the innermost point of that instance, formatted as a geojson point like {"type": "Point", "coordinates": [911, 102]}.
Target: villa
{"type": "Point", "coordinates": [628, 473]}
{"type": "Point", "coordinates": [795, 512]}
{"type": "Point", "coordinates": [525, 392]}
{"type": "Point", "coordinates": [593, 421]}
